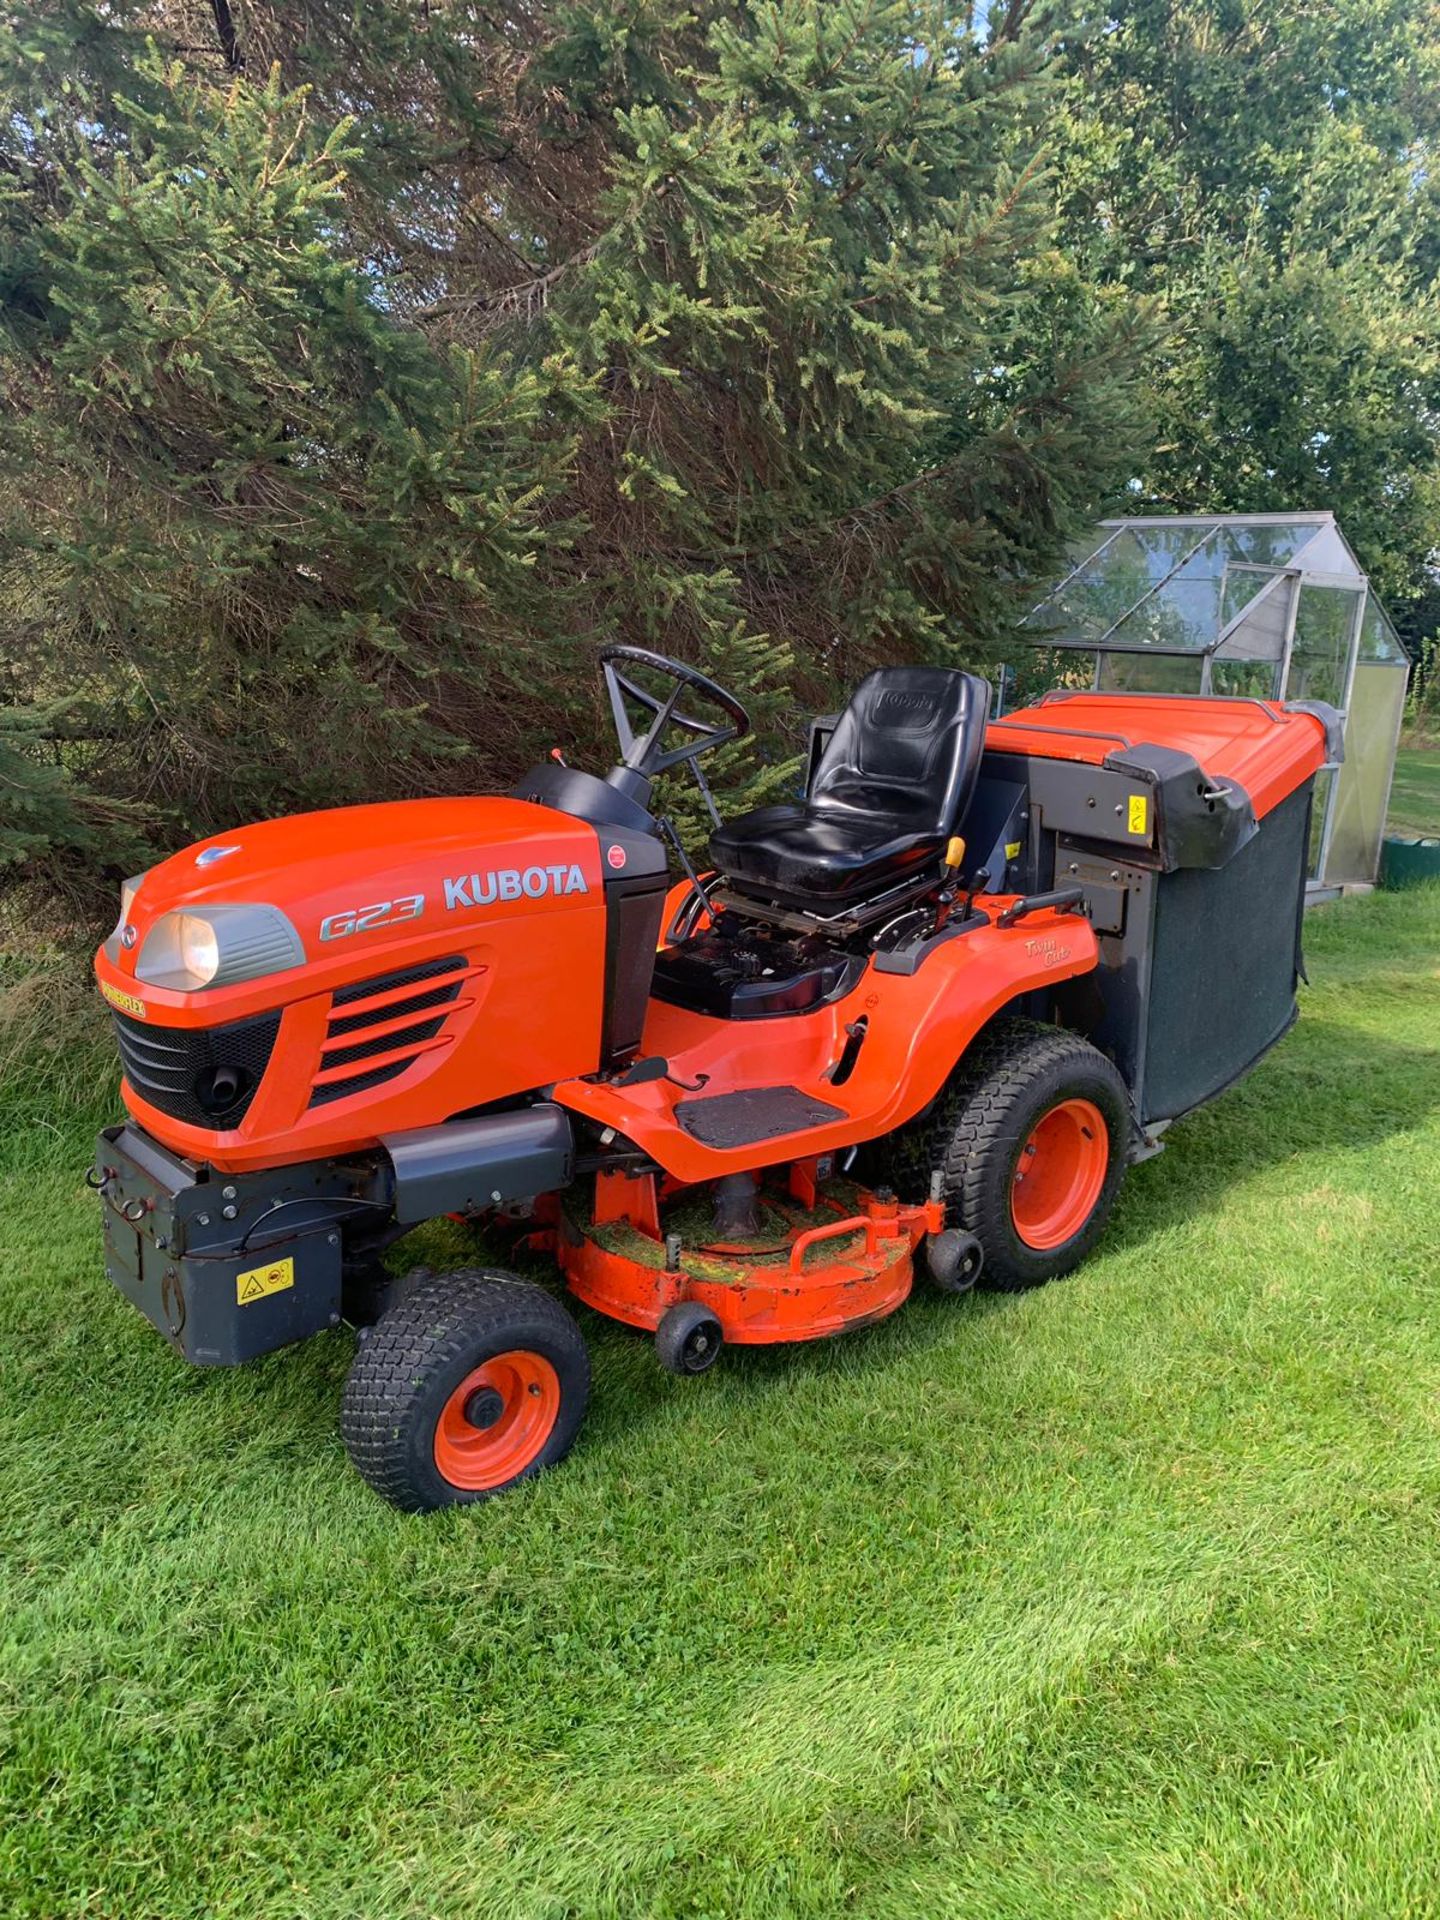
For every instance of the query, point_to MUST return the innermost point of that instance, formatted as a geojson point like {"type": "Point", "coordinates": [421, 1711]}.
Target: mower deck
{"type": "Point", "coordinates": [820, 1263]}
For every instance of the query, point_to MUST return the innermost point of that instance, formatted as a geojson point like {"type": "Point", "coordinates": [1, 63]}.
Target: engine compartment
{"type": "Point", "coordinates": [744, 969]}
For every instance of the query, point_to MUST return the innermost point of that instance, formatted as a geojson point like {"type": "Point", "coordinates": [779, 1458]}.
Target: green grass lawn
{"type": "Point", "coordinates": [1119, 1598]}
{"type": "Point", "coordinates": [1415, 794]}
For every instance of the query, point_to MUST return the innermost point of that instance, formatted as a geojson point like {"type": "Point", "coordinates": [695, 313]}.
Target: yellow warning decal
{"type": "Point", "coordinates": [260, 1281]}
{"type": "Point", "coordinates": [126, 1002]}
{"type": "Point", "coordinates": [1139, 821]}
{"type": "Point", "coordinates": [1012, 849]}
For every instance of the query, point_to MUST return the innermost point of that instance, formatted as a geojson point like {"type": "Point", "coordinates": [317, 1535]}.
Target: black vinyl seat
{"type": "Point", "coordinates": [891, 787]}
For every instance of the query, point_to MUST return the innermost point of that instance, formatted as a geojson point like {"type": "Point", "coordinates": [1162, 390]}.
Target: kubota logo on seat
{"type": "Point", "coordinates": [511, 883]}
{"type": "Point", "coordinates": [898, 705]}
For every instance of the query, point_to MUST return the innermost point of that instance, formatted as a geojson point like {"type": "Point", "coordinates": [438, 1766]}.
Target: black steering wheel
{"type": "Point", "coordinates": [646, 753]}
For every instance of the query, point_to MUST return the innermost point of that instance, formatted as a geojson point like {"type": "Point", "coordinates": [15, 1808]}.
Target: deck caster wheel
{"type": "Point", "coordinates": [688, 1338]}
{"type": "Point", "coordinates": [953, 1260]}
{"type": "Point", "coordinates": [468, 1382]}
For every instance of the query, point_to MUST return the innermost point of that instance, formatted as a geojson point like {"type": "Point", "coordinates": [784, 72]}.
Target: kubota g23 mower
{"type": "Point", "coordinates": [929, 1011]}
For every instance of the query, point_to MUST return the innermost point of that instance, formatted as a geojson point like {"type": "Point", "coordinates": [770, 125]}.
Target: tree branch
{"type": "Point", "coordinates": [227, 36]}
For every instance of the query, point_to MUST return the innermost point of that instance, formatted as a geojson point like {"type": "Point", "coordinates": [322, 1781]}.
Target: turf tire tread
{"type": "Point", "coordinates": [967, 1129]}
{"type": "Point", "coordinates": [437, 1325]}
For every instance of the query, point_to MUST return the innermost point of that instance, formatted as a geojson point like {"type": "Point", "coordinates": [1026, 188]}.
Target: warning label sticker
{"type": "Point", "coordinates": [1139, 821]}
{"type": "Point", "coordinates": [261, 1281]}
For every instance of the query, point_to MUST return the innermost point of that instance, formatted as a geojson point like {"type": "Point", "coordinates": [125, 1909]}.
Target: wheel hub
{"type": "Point", "coordinates": [497, 1420]}
{"type": "Point", "coordinates": [1060, 1174]}
{"type": "Point", "coordinates": [484, 1407]}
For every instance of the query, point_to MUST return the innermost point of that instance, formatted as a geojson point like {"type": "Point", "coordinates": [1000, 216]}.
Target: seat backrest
{"type": "Point", "coordinates": [908, 746]}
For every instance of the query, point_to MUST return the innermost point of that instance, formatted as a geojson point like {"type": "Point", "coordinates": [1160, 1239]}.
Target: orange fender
{"type": "Point", "coordinates": [917, 1028]}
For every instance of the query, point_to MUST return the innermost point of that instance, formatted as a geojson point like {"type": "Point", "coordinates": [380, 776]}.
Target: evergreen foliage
{"type": "Point", "coordinates": [367, 367]}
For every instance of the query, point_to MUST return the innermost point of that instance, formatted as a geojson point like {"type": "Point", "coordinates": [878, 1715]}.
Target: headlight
{"type": "Point", "coordinates": [214, 947]}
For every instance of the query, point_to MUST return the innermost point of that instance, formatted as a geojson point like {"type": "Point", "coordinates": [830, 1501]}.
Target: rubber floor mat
{"type": "Point", "coordinates": [753, 1114]}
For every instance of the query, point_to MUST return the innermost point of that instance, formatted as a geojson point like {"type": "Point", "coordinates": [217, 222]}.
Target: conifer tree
{"type": "Point", "coordinates": [369, 366]}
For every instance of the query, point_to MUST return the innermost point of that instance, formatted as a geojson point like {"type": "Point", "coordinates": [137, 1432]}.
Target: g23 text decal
{"type": "Point", "coordinates": [381, 913]}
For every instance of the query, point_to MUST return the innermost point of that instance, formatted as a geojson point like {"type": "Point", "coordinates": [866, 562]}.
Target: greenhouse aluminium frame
{"type": "Point", "coordinates": [1268, 605]}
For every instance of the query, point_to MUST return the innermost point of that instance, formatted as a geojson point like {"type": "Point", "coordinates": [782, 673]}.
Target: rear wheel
{"type": "Point", "coordinates": [469, 1382]}
{"type": "Point", "coordinates": [1030, 1143]}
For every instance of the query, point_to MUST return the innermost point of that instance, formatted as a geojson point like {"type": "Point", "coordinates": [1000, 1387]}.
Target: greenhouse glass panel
{"type": "Point", "coordinates": [1168, 588]}
{"type": "Point", "coordinates": [1241, 585]}
{"type": "Point", "coordinates": [1270, 544]}
{"type": "Point", "coordinates": [1378, 639]}
{"type": "Point", "coordinates": [1254, 679]}
{"type": "Point", "coordinates": [1319, 807]}
{"type": "Point", "coordinates": [1372, 728]}
{"type": "Point", "coordinates": [1150, 673]}
{"type": "Point", "coordinates": [1260, 635]}
{"type": "Point", "coordinates": [1189, 610]}
{"type": "Point", "coordinates": [1127, 568]}
{"type": "Point", "coordinates": [1047, 670]}
{"type": "Point", "coordinates": [1325, 551]}
{"type": "Point", "coordinates": [1320, 652]}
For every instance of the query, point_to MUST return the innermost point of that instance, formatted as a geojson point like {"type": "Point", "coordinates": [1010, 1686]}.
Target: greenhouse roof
{"type": "Point", "coordinates": [1190, 584]}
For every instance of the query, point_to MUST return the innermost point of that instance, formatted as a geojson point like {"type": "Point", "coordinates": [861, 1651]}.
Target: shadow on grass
{"type": "Point", "coordinates": [1327, 1087]}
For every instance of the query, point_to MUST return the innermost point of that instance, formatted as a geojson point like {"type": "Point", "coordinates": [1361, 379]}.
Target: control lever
{"type": "Point", "coordinates": [840, 1069]}
{"type": "Point", "coordinates": [699, 899]}
{"type": "Point", "coordinates": [656, 1067]}
{"type": "Point", "coordinates": [954, 859]}
{"type": "Point", "coordinates": [1063, 900]}
{"type": "Point", "coordinates": [978, 883]}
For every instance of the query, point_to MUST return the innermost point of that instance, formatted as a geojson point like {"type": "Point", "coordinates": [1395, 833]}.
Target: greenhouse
{"type": "Point", "coordinates": [1267, 605]}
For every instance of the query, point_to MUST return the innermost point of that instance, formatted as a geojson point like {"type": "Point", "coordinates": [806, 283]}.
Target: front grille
{"type": "Point", "coordinates": [412, 1003]}
{"type": "Point", "coordinates": [341, 1025]}
{"type": "Point", "coordinates": [359, 1082]}
{"type": "Point", "coordinates": [203, 1076]}
{"type": "Point", "coordinates": [407, 977]}
{"type": "Point", "coordinates": [383, 1043]}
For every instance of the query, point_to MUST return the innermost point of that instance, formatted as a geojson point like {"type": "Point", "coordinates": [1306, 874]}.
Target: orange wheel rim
{"type": "Point", "coordinates": [496, 1422]}
{"type": "Point", "coordinates": [1059, 1174]}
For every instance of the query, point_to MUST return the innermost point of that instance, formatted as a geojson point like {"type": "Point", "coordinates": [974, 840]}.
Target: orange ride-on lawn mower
{"type": "Point", "coordinates": [930, 1011]}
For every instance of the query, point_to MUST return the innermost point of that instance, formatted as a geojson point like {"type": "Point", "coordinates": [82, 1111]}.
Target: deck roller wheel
{"type": "Point", "coordinates": [688, 1339]}
{"type": "Point", "coordinates": [953, 1260]}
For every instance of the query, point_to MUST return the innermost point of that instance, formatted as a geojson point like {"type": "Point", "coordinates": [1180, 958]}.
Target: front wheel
{"type": "Point", "coordinates": [468, 1383]}
{"type": "Point", "coordinates": [1030, 1144]}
